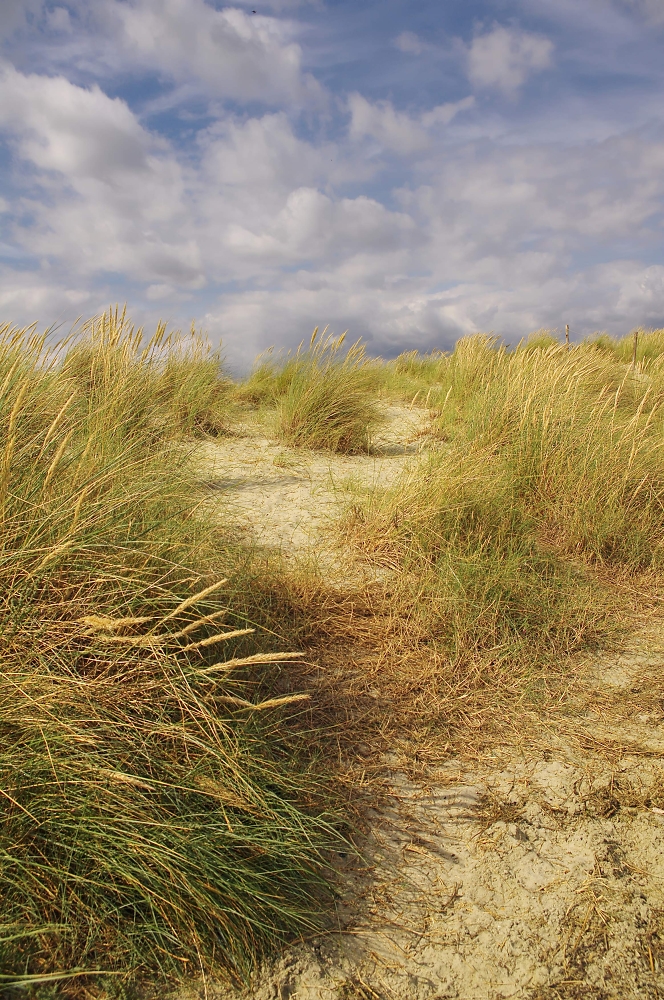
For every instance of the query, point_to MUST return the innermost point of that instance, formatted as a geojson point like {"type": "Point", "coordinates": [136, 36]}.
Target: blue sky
{"type": "Point", "coordinates": [409, 171]}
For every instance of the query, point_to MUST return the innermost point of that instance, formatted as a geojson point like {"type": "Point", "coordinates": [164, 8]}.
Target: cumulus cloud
{"type": "Point", "coordinates": [106, 194]}
{"type": "Point", "coordinates": [262, 155]}
{"type": "Point", "coordinates": [393, 129]}
{"type": "Point", "coordinates": [504, 58]}
{"type": "Point", "coordinates": [312, 226]}
{"type": "Point", "coordinates": [408, 42]}
{"type": "Point", "coordinates": [411, 228]}
{"type": "Point", "coordinates": [116, 199]}
{"type": "Point", "coordinates": [76, 131]}
{"type": "Point", "coordinates": [396, 130]}
{"type": "Point", "coordinates": [492, 244]}
{"type": "Point", "coordinates": [237, 55]}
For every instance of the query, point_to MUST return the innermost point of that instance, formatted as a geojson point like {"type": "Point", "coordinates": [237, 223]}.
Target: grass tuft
{"type": "Point", "coordinates": [546, 476]}
{"type": "Point", "coordinates": [324, 395]}
{"type": "Point", "coordinates": [150, 824]}
{"type": "Point", "coordinates": [328, 403]}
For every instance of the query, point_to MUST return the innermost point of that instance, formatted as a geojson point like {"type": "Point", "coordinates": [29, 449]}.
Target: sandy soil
{"type": "Point", "coordinates": [537, 873]}
{"type": "Point", "coordinates": [284, 497]}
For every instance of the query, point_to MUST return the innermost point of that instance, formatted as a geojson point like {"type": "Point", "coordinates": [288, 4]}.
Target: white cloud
{"type": "Point", "coordinates": [444, 113]}
{"type": "Point", "coordinates": [487, 238]}
{"type": "Point", "coordinates": [79, 132]}
{"type": "Point", "coordinates": [396, 130]}
{"type": "Point", "coordinates": [109, 196]}
{"type": "Point", "coordinates": [408, 42]}
{"type": "Point", "coordinates": [393, 129]}
{"type": "Point", "coordinates": [26, 297]}
{"type": "Point", "coordinates": [262, 156]}
{"type": "Point", "coordinates": [311, 226]}
{"type": "Point", "coordinates": [497, 241]}
{"type": "Point", "coordinates": [236, 55]}
{"type": "Point", "coordinates": [505, 58]}
{"type": "Point", "coordinates": [272, 222]}
{"type": "Point", "coordinates": [154, 293]}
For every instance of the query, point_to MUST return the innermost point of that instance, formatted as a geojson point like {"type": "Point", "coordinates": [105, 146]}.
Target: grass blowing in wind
{"type": "Point", "coordinates": [156, 817]}
{"type": "Point", "coordinates": [150, 826]}
{"type": "Point", "coordinates": [509, 545]}
{"type": "Point", "coordinates": [325, 395]}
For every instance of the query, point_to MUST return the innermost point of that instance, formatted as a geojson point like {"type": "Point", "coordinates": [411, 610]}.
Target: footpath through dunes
{"type": "Point", "coordinates": [533, 868]}
{"type": "Point", "coordinates": [283, 498]}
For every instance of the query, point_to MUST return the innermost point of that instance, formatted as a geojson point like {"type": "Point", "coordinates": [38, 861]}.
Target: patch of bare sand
{"type": "Point", "coordinates": [537, 873]}
{"type": "Point", "coordinates": [540, 879]}
{"type": "Point", "coordinates": [283, 498]}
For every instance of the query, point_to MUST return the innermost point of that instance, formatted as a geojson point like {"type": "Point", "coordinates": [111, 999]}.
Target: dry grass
{"type": "Point", "coordinates": [325, 394]}
{"type": "Point", "coordinates": [515, 544]}
{"type": "Point", "coordinates": [156, 817]}
{"type": "Point", "coordinates": [153, 822]}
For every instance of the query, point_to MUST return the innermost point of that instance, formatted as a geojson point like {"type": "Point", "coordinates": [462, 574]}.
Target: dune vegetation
{"type": "Point", "coordinates": [155, 820]}
{"type": "Point", "coordinates": [150, 825]}
{"type": "Point", "coordinates": [325, 395]}
{"type": "Point", "coordinates": [544, 492]}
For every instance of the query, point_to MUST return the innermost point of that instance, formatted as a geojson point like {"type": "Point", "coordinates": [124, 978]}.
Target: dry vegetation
{"type": "Point", "coordinates": [151, 822]}
{"type": "Point", "coordinates": [324, 396]}
{"type": "Point", "coordinates": [545, 493]}
{"type": "Point", "coordinates": [156, 818]}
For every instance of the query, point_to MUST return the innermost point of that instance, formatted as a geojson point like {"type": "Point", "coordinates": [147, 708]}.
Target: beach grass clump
{"type": "Point", "coordinates": [193, 386]}
{"type": "Point", "coordinates": [538, 340]}
{"type": "Point", "coordinates": [471, 577]}
{"type": "Point", "coordinates": [330, 401]}
{"type": "Point", "coordinates": [151, 822]}
{"type": "Point", "coordinates": [580, 433]}
{"type": "Point", "coordinates": [639, 345]}
{"type": "Point", "coordinates": [414, 377]}
{"type": "Point", "coordinates": [547, 476]}
{"type": "Point", "coordinates": [170, 384]}
{"type": "Point", "coordinates": [268, 380]}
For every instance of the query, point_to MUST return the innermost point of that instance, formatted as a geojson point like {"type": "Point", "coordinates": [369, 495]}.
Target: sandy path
{"type": "Point", "coordinates": [540, 873]}
{"type": "Point", "coordinates": [284, 497]}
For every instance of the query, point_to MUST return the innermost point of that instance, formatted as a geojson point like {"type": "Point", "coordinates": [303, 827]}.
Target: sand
{"type": "Point", "coordinates": [536, 872]}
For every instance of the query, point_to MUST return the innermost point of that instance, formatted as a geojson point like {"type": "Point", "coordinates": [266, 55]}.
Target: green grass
{"type": "Point", "coordinates": [325, 395]}
{"type": "Point", "coordinates": [170, 385]}
{"type": "Point", "coordinates": [547, 477]}
{"type": "Point", "coordinates": [153, 821]}
{"type": "Point", "coordinates": [156, 818]}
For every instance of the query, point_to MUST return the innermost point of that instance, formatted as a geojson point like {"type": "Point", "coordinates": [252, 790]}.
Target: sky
{"type": "Point", "coordinates": [409, 171]}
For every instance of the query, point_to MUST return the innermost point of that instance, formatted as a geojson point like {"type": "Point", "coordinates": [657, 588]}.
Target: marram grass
{"type": "Point", "coordinates": [153, 822]}
{"type": "Point", "coordinates": [149, 824]}
{"type": "Point", "coordinates": [325, 395]}
{"type": "Point", "coordinates": [546, 477]}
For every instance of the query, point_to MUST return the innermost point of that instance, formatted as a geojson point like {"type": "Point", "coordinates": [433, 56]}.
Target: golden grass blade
{"type": "Point", "coordinates": [8, 377]}
{"type": "Point", "coordinates": [108, 624]}
{"type": "Point", "coordinates": [190, 601]}
{"type": "Point", "coordinates": [56, 458]}
{"type": "Point", "coordinates": [205, 620]}
{"type": "Point", "coordinates": [125, 779]}
{"type": "Point", "coordinates": [53, 554]}
{"type": "Point", "coordinates": [219, 637]}
{"type": "Point", "coordinates": [56, 422]}
{"type": "Point", "coordinates": [16, 408]}
{"type": "Point", "coordinates": [290, 699]}
{"type": "Point", "coordinates": [248, 661]}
